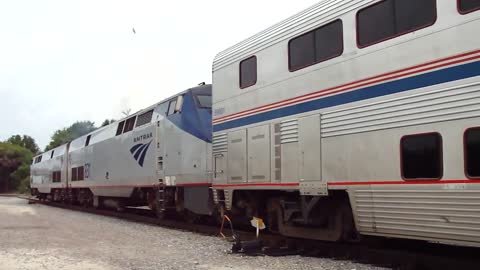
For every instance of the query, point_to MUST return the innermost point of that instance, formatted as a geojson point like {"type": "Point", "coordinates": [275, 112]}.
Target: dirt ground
{"type": "Point", "coordinates": [42, 237]}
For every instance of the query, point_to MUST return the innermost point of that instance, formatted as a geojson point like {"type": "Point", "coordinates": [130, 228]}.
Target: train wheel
{"type": "Point", "coordinates": [190, 217]}
{"type": "Point", "coordinates": [274, 209]}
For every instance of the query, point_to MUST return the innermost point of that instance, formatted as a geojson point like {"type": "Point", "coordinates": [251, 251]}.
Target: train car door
{"type": "Point", "coordinates": [259, 154]}
{"type": "Point", "coordinates": [237, 160]}
{"type": "Point", "coordinates": [309, 148]}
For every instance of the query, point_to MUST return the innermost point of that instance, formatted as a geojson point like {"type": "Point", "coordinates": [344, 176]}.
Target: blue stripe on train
{"type": "Point", "coordinates": [410, 83]}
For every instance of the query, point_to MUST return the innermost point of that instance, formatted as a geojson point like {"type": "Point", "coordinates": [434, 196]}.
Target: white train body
{"type": "Point", "coordinates": [49, 170]}
{"type": "Point", "coordinates": [341, 124]}
{"type": "Point", "coordinates": [167, 145]}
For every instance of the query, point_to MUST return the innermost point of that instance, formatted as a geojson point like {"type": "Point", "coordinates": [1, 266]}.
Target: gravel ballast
{"type": "Point", "coordinates": [41, 237]}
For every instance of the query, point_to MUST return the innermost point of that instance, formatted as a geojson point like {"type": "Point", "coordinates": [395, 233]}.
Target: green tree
{"type": "Point", "coordinates": [70, 133]}
{"type": "Point", "coordinates": [14, 166]}
{"type": "Point", "coordinates": [107, 122]}
{"type": "Point", "coordinates": [24, 141]}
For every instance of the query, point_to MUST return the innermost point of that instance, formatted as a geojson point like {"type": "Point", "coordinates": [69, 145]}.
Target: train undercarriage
{"type": "Point", "coordinates": [293, 215]}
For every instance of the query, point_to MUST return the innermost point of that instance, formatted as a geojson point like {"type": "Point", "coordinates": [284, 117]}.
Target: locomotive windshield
{"type": "Point", "coordinates": [204, 101]}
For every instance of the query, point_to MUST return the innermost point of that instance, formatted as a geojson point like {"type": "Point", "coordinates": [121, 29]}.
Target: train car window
{"type": "Point", "coordinates": [321, 44]}
{"type": "Point", "coordinates": [87, 141]}
{"type": "Point", "coordinates": [248, 72]}
{"type": "Point", "coordinates": [74, 174]}
{"type": "Point", "coordinates": [56, 177]}
{"type": "Point", "coordinates": [51, 155]}
{"type": "Point", "coordinates": [467, 6]}
{"type": "Point", "coordinates": [204, 101]}
{"type": "Point", "coordinates": [391, 18]}
{"type": "Point", "coordinates": [301, 51]}
{"type": "Point", "coordinates": [171, 106]}
{"type": "Point", "coordinates": [472, 152]}
{"type": "Point", "coordinates": [421, 156]}
{"type": "Point", "coordinates": [120, 128]}
{"type": "Point", "coordinates": [80, 171]}
{"type": "Point", "coordinates": [129, 124]}
{"type": "Point", "coordinates": [144, 118]}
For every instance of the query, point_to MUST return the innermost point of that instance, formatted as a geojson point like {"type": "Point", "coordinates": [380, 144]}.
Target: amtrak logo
{"type": "Point", "coordinates": [139, 151]}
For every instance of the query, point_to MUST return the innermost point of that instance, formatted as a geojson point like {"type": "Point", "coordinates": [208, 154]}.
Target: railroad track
{"type": "Point", "coordinates": [390, 253]}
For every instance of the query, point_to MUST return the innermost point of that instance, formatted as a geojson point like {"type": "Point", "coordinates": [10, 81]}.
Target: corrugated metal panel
{"type": "Point", "coordinates": [459, 102]}
{"type": "Point", "coordinates": [219, 143]}
{"type": "Point", "coordinates": [434, 214]}
{"type": "Point", "coordinates": [289, 131]}
{"type": "Point", "coordinates": [303, 21]}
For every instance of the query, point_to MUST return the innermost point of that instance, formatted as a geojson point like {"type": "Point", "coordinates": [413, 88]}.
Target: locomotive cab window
{"type": "Point", "coordinates": [316, 46]}
{"type": "Point", "coordinates": [129, 124]}
{"type": "Point", "coordinates": [120, 128]}
{"type": "Point", "coordinates": [204, 101]}
{"type": "Point", "coordinates": [248, 72]}
{"type": "Point", "coordinates": [472, 152]}
{"type": "Point", "coordinates": [421, 156]}
{"type": "Point", "coordinates": [87, 141]}
{"type": "Point", "coordinates": [467, 6]}
{"type": "Point", "coordinates": [391, 18]}
{"type": "Point", "coordinates": [171, 106]}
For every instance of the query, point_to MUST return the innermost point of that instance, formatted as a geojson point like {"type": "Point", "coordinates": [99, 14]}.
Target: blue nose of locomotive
{"type": "Point", "coordinates": [196, 116]}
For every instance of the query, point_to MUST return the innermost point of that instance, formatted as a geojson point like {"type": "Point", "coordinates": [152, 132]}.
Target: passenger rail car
{"type": "Point", "coordinates": [159, 156]}
{"type": "Point", "coordinates": [354, 117]}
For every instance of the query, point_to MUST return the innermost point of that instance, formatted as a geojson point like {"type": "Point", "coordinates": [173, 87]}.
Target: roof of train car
{"type": "Point", "coordinates": [304, 21]}
{"type": "Point", "coordinates": [202, 88]}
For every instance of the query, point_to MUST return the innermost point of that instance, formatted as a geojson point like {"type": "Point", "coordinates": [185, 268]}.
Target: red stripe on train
{"type": "Point", "coordinates": [358, 183]}
{"type": "Point", "coordinates": [337, 88]}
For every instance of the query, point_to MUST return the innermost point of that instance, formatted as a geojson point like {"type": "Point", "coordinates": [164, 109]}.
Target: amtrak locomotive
{"type": "Point", "coordinates": [350, 118]}
{"type": "Point", "coordinates": [159, 156]}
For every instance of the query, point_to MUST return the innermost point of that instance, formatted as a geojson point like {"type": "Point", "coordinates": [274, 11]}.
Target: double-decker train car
{"type": "Point", "coordinates": [159, 156]}
{"type": "Point", "coordinates": [354, 117]}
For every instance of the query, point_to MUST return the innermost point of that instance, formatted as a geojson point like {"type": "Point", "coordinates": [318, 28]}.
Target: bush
{"type": "Point", "coordinates": [24, 187]}
{"type": "Point", "coordinates": [14, 166]}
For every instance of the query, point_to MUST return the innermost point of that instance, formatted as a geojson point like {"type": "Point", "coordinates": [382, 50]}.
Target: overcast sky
{"type": "Point", "coordinates": [63, 61]}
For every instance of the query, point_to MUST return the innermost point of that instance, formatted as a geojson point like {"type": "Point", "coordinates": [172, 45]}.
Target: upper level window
{"type": "Point", "coordinates": [421, 156]}
{"type": "Point", "coordinates": [248, 72]}
{"type": "Point", "coordinates": [391, 18]}
{"type": "Point", "coordinates": [467, 6]}
{"type": "Point", "coordinates": [120, 128]}
{"type": "Point", "coordinates": [144, 118]}
{"type": "Point", "coordinates": [51, 155]}
{"type": "Point", "coordinates": [171, 106]}
{"type": "Point", "coordinates": [472, 152]}
{"type": "Point", "coordinates": [129, 124]}
{"type": "Point", "coordinates": [321, 44]}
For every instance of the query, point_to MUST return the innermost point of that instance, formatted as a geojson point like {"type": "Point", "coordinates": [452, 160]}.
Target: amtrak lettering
{"type": "Point", "coordinates": [143, 137]}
